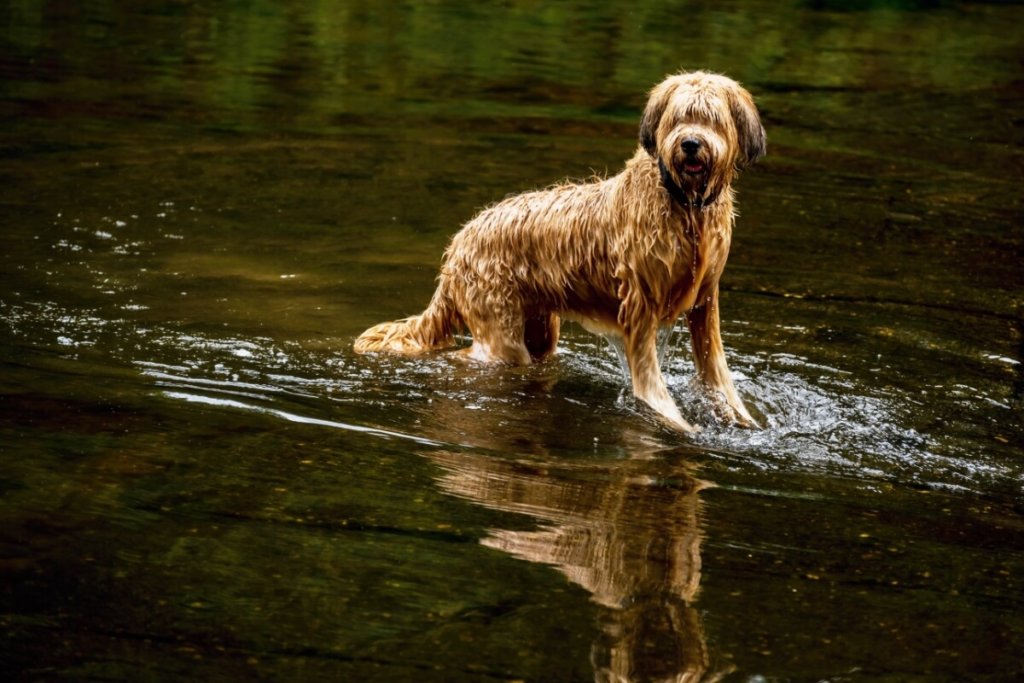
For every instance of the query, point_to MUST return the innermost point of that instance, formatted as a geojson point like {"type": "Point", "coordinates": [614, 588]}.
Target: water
{"type": "Point", "coordinates": [202, 206]}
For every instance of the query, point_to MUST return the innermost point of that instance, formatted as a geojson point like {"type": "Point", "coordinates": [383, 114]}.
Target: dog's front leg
{"type": "Point", "coordinates": [709, 357]}
{"type": "Point", "coordinates": [640, 339]}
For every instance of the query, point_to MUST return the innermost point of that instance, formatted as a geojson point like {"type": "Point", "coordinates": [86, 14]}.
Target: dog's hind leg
{"type": "Point", "coordinates": [498, 339]}
{"type": "Point", "coordinates": [541, 335]}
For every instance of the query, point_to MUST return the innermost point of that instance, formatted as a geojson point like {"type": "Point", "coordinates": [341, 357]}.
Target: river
{"type": "Point", "coordinates": [203, 204]}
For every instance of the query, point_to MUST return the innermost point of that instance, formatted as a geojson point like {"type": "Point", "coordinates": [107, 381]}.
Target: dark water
{"type": "Point", "coordinates": [202, 204]}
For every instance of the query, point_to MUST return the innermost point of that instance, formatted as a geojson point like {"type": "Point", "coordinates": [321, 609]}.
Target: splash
{"type": "Point", "coordinates": [821, 419]}
{"type": "Point", "coordinates": [815, 418]}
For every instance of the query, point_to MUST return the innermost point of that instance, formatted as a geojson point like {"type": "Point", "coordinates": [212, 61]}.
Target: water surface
{"type": "Point", "coordinates": [201, 206]}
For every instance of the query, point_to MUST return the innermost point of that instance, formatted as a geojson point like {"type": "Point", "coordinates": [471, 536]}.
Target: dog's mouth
{"type": "Point", "coordinates": [694, 167]}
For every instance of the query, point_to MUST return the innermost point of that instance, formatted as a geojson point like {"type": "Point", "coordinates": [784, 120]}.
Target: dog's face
{"type": "Point", "coordinates": [703, 128]}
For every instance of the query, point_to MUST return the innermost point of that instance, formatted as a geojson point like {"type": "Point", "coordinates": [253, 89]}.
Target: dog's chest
{"type": "Point", "coordinates": [700, 256]}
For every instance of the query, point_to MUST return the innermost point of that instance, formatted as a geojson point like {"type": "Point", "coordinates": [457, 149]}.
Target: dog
{"type": "Point", "coordinates": [624, 256]}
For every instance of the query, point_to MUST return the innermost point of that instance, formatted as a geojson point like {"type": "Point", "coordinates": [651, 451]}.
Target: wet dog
{"type": "Point", "coordinates": [624, 256]}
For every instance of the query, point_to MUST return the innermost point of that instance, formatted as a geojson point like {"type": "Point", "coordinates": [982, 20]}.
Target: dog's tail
{"type": "Point", "coordinates": [432, 329]}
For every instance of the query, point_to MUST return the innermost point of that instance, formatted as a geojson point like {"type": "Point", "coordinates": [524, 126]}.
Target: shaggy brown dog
{"type": "Point", "coordinates": [624, 256]}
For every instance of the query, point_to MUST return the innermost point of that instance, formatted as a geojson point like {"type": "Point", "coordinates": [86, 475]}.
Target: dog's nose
{"type": "Point", "coordinates": [690, 146]}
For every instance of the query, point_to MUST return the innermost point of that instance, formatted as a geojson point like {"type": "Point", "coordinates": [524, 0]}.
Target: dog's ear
{"type": "Point", "coordinates": [752, 139]}
{"type": "Point", "coordinates": [657, 102]}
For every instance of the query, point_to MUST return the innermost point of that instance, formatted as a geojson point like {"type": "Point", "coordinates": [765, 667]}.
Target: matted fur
{"type": "Point", "coordinates": [623, 256]}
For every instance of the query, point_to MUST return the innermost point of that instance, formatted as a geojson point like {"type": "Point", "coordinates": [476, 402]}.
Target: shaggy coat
{"type": "Point", "coordinates": [624, 256]}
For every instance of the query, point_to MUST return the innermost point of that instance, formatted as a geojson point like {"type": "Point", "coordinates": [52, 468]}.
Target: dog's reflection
{"type": "Point", "coordinates": [629, 532]}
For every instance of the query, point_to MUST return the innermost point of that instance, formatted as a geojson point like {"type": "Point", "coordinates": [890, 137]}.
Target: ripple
{"type": "Point", "coordinates": [816, 418]}
{"type": "Point", "coordinates": [221, 402]}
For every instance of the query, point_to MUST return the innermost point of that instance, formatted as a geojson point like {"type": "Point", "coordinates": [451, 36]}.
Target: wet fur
{"type": "Point", "coordinates": [619, 255]}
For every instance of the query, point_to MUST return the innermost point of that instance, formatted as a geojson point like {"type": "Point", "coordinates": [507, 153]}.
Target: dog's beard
{"type": "Point", "coordinates": [692, 174]}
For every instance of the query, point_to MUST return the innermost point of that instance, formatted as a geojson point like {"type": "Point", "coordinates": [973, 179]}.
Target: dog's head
{"type": "Point", "coordinates": [703, 128]}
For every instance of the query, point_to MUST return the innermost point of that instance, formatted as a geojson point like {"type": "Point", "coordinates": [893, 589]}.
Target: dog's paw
{"type": "Point", "coordinates": [734, 413]}
{"type": "Point", "coordinates": [680, 425]}
{"type": "Point", "coordinates": [745, 421]}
